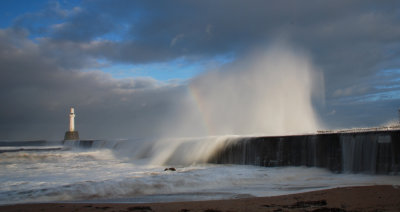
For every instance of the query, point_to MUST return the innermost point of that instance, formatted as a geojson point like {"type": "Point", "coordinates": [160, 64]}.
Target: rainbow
{"type": "Point", "coordinates": [200, 106]}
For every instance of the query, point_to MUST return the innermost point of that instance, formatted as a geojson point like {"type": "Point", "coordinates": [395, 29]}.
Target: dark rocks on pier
{"type": "Point", "coordinates": [71, 135]}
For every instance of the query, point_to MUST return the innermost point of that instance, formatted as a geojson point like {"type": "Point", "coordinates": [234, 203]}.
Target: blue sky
{"type": "Point", "coordinates": [40, 18]}
{"type": "Point", "coordinates": [177, 69]}
{"type": "Point", "coordinates": [9, 10]}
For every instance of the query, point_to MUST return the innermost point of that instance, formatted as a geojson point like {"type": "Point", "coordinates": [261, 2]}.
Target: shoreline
{"type": "Point", "coordinates": [358, 198]}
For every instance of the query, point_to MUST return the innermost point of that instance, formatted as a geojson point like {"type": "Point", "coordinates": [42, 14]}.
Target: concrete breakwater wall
{"type": "Point", "coordinates": [376, 152]}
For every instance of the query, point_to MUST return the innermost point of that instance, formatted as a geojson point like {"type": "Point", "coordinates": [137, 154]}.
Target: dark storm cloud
{"type": "Point", "coordinates": [337, 33]}
{"type": "Point", "coordinates": [36, 93]}
{"type": "Point", "coordinates": [38, 22]}
{"type": "Point", "coordinates": [83, 27]}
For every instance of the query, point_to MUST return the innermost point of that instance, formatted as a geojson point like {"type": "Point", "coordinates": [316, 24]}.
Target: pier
{"type": "Point", "coordinates": [367, 151]}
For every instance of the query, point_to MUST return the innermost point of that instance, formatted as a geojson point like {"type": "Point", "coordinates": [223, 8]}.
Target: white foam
{"type": "Point", "coordinates": [98, 174]}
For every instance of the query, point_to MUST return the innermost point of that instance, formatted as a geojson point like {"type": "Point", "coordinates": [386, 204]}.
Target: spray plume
{"type": "Point", "coordinates": [267, 93]}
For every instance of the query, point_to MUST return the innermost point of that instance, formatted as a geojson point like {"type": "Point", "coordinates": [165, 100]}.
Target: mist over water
{"type": "Point", "coordinates": [172, 151]}
{"type": "Point", "coordinates": [267, 92]}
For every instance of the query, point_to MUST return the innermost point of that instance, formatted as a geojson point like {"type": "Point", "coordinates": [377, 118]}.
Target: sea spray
{"type": "Point", "coordinates": [172, 151]}
{"type": "Point", "coordinates": [156, 152]}
{"type": "Point", "coordinates": [189, 151]}
{"type": "Point", "coordinates": [267, 92]}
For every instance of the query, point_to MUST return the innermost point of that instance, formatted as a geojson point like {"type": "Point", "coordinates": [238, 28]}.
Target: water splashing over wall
{"type": "Point", "coordinates": [266, 93]}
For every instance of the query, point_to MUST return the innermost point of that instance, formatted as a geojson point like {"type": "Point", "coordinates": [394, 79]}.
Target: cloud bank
{"type": "Point", "coordinates": [53, 58]}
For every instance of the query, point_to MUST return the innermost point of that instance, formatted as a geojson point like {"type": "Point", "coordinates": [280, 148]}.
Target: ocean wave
{"type": "Point", "coordinates": [228, 179]}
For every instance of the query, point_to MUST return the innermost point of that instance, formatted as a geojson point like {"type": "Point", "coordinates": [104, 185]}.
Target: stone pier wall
{"type": "Point", "coordinates": [375, 152]}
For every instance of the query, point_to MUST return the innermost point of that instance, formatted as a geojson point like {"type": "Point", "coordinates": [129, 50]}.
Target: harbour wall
{"type": "Point", "coordinates": [374, 152]}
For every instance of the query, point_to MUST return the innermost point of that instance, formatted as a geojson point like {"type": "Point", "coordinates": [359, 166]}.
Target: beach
{"type": "Point", "coordinates": [360, 198]}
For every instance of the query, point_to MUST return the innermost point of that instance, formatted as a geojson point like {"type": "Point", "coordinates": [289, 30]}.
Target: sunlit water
{"type": "Point", "coordinates": [59, 173]}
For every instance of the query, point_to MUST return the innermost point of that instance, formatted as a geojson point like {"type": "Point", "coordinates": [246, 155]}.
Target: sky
{"type": "Point", "coordinates": [130, 68]}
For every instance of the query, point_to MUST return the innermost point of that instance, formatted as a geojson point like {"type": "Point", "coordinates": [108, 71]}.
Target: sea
{"type": "Point", "coordinates": [133, 171]}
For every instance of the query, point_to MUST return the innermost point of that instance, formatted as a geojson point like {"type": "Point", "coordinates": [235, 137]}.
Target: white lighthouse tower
{"type": "Point", "coordinates": [72, 120]}
{"type": "Point", "coordinates": [72, 134]}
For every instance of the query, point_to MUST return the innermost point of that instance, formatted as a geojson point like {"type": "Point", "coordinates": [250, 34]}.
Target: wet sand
{"type": "Point", "coordinates": [364, 198]}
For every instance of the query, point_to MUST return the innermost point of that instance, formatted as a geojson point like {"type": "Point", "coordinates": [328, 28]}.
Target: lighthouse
{"type": "Point", "coordinates": [72, 134]}
{"type": "Point", "coordinates": [72, 120]}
